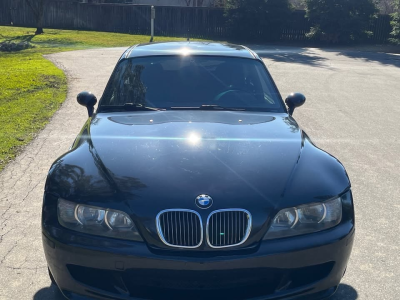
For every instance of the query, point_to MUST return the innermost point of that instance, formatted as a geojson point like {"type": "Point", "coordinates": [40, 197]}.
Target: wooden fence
{"type": "Point", "coordinates": [381, 29]}
{"type": "Point", "coordinates": [134, 19]}
{"type": "Point", "coordinates": [207, 23]}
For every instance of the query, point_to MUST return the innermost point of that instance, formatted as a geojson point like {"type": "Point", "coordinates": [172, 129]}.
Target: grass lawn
{"type": "Point", "coordinates": [32, 88]}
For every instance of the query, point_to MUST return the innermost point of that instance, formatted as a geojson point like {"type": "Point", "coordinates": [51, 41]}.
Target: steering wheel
{"type": "Point", "coordinates": [239, 96]}
{"type": "Point", "coordinates": [223, 93]}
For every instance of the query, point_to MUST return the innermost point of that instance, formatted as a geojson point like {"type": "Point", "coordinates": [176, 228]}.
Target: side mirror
{"type": "Point", "coordinates": [294, 100]}
{"type": "Point", "coordinates": [88, 100]}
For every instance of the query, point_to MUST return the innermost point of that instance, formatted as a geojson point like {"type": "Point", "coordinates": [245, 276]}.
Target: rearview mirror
{"type": "Point", "coordinates": [88, 100]}
{"type": "Point", "coordinates": [294, 100]}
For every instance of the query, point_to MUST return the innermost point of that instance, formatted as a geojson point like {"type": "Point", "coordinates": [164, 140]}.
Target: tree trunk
{"type": "Point", "coordinates": [37, 7]}
{"type": "Point", "coordinates": [39, 25]}
{"type": "Point", "coordinates": [39, 30]}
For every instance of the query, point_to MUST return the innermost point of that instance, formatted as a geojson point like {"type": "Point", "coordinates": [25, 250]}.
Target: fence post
{"type": "Point", "coordinates": [153, 16]}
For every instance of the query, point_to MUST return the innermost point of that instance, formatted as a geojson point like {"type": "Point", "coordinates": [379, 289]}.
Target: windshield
{"type": "Point", "coordinates": [186, 82]}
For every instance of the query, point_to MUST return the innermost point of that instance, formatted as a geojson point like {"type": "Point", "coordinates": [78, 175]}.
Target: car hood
{"type": "Point", "coordinates": [235, 157]}
{"type": "Point", "coordinates": [165, 159]}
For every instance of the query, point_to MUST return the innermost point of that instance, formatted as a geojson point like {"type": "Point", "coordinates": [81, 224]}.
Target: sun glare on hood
{"type": "Point", "coordinates": [194, 139]}
{"type": "Point", "coordinates": [185, 51]}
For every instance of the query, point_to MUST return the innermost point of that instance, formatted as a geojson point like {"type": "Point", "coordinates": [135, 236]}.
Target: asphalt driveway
{"type": "Point", "coordinates": [352, 111]}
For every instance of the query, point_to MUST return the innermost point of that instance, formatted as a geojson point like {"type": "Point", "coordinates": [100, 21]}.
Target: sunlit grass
{"type": "Point", "coordinates": [53, 38]}
{"type": "Point", "coordinates": [32, 88]}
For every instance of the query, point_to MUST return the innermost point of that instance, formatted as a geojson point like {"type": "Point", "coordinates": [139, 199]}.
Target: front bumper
{"type": "Point", "coordinates": [309, 266]}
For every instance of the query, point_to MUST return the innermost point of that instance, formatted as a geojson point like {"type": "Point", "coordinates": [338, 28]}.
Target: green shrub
{"type": "Point", "coordinates": [396, 23]}
{"type": "Point", "coordinates": [340, 21]}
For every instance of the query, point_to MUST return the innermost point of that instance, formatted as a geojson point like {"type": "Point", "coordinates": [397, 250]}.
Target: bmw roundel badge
{"type": "Point", "coordinates": [204, 201]}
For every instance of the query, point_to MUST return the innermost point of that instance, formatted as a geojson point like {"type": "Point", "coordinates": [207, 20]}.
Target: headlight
{"type": "Point", "coordinates": [96, 220]}
{"type": "Point", "coordinates": [305, 219]}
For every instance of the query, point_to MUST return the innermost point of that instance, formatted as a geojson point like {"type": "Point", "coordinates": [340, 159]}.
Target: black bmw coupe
{"type": "Point", "coordinates": [191, 180]}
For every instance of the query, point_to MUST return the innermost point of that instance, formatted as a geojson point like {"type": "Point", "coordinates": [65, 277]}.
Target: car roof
{"type": "Point", "coordinates": [189, 48]}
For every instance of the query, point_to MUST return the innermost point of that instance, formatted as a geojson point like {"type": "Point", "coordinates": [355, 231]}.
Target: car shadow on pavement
{"type": "Point", "coordinates": [344, 292]}
{"type": "Point", "coordinates": [49, 293]}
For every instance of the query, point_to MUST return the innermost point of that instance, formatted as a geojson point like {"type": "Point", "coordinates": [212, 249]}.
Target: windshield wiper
{"type": "Point", "coordinates": [208, 107]}
{"type": "Point", "coordinates": [128, 107]}
{"type": "Point", "coordinates": [134, 107]}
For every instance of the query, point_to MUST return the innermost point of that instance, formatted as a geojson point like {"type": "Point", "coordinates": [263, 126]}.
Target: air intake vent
{"type": "Point", "coordinates": [228, 227]}
{"type": "Point", "coordinates": [180, 228]}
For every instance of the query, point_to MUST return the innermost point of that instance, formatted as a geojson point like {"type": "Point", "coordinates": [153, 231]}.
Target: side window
{"type": "Point", "coordinates": [252, 80]}
{"type": "Point", "coordinates": [269, 91]}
